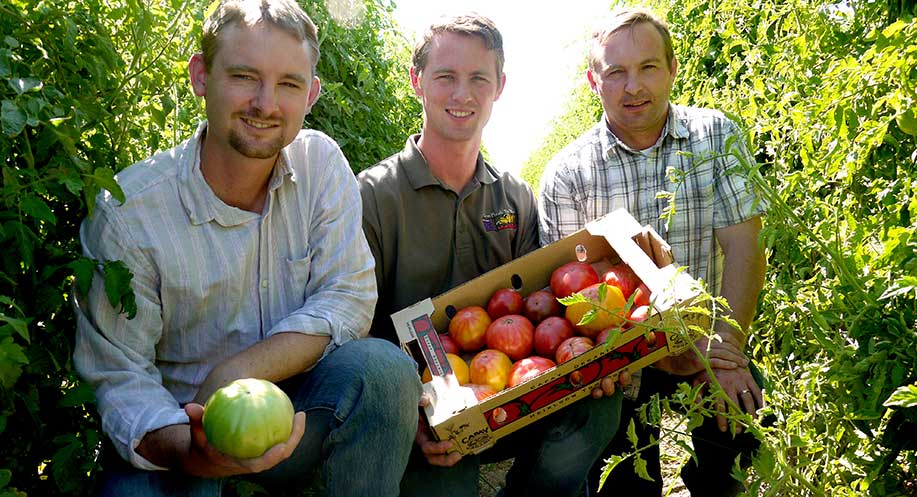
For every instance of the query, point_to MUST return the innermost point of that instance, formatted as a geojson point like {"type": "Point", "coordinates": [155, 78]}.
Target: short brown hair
{"type": "Point", "coordinates": [627, 18]}
{"type": "Point", "coordinates": [468, 25]}
{"type": "Point", "coordinates": [284, 14]}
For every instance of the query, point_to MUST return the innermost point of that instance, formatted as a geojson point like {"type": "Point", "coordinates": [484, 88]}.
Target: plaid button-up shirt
{"type": "Point", "coordinates": [686, 186]}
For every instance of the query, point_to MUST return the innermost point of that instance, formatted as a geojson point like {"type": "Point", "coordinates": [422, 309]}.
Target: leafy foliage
{"type": "Point", "coordinates": [86, 89]}
{"type": "Point", "coordinates": [828, 92]}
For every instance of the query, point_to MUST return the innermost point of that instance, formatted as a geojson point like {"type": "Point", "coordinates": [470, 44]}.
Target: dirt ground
{"type": "Point", "coordinates": [493, 476]}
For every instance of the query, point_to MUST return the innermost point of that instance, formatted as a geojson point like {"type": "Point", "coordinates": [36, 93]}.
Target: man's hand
{"type": "Point", "coordinates": [721, 351]}
{"type": "Point", "coordinates": [436, 453]}
{"type": "Point", "coordinates": [205, 461]}
{"type": "Point", "coordinates": [740, 388]}
{"type": "Point", "coordinates": [185, 448]}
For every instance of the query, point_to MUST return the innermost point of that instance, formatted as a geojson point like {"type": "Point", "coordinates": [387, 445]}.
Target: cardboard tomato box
{"type": "Point", "coordinates": [455, 414]}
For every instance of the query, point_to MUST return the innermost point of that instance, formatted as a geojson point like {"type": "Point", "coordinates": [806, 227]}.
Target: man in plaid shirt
{"type": "Point", "coordinates": [677, 169]}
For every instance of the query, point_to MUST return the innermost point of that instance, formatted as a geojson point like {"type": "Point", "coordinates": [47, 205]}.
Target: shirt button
{"type": "Point", "coordinates": [263, 283]}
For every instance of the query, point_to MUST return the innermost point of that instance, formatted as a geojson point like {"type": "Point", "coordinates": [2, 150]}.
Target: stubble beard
{"type": "Point", "coordinates": [253, 150]}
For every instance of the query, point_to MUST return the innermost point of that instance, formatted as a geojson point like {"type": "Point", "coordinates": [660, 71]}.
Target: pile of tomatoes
{"type": "Point", "coordinates": [516, 338]}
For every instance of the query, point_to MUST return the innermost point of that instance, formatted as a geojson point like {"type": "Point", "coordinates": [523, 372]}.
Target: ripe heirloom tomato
{"type": "Point", "coordinates": [503, 302]}
{"type": "Point", "coordinates": [468, 326]}
{"type": "Point", "coordinates": [540, 305]}
{"type": "Point", "coordinates": [623, 277]}
{"type": "Point", "coordinates": [571, 278]}
{"type": "Point", "coordinates": [513, 335]}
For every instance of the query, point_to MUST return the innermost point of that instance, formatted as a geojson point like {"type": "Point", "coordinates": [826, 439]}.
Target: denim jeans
{"type": "Point", "coordinates": [552, 456]}
{"type": "Point", "coordinates": [708, 476]}
{"type": "Point", "coordinates": [361, 417]}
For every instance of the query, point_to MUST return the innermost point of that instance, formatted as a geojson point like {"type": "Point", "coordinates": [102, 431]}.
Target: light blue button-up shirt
{"type": "Point", "coordinates": [211, 280]}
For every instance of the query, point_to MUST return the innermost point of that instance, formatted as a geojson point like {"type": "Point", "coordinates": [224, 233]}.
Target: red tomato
{"type": "Point", "coordinates": [504, 301]}
{"type": "Point", "coordinates": [572, 277]}
{"type": "Point", "coordinates": [550, 333]}
{"type": "Point", "coordinates": [641, 295]}
{"type": "Point", "coordinates": [623, 277]}
{"type": "Point", "coordinates": [528, 368]}
{"type": "Point", "coordinates": [573, 347]}
{"type": "Point", "coordinates": [468, 328]}
{"type": "Point", "coordinates": [450, 346]}
{"type": "Point", "coordinates": [540, 305]}
{"type": "Point", "coordinates": [513, 335]}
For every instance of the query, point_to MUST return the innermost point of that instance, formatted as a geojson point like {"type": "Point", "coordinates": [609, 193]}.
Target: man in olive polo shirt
{"type": "Point", "coordinates": [437, 215]}
{"type": "Point", "coordinates": [428, 238]}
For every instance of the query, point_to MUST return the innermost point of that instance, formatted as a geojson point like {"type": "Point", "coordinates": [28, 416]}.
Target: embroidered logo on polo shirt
{"type": "Point", "coordinates": [499, 221]}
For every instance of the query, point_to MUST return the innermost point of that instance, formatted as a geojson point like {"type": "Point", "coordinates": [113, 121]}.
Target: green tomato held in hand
{"type": "Point", "coordinates": [247, 417]}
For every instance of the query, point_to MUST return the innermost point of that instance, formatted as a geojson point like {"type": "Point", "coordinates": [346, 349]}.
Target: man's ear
{"type": "Point", "coordinates": [415, 82]}
{"type": "Point", "coordinates": [502, 85]}
{"type": "Point", "coordinates": [593, 82]}
{"type": "Point", "coordinates": [198, 73]}
{"type": "Point", "coordinates": [314, 91]}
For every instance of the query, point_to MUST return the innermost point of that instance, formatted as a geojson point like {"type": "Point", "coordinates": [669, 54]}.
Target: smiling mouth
{"type": "Point", "coordinates": [635, 105]}
{"type": "Point", "coordinates": [258, 124]}
{"type": "Point", "coordinates": [459, 113]}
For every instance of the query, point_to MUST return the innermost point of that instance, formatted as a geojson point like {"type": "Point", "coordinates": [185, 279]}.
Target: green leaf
{"type": "Point", "coordinates": [905, 396]}
{"type": "Point", "coordinates": [12, 359]}
{"type": "Point", "coordinates": [79, 395]}
{"type": "Point", "coordinates": [105, 178]}
{"type": "Point", "coordinates": [5, 63]}
{"type": "Point", "coordinates": [23, 85]}
{"type": "Point", "coordinates": [118, 287]}
{"type": "Point", "coordinates": [12, 119]}
{"type": "Point", "coordinates": [72, 181]}
{"type": "Point", "coordinates": [38, 209]}
{"type": "Point", "coordinates": [83, 273]}
{"type": "Point", "coordinates": [632, 434]}
{"type": "Point", "coordinates": [573, 298]}
{"type": "Point", "coordinates": [19, 325]}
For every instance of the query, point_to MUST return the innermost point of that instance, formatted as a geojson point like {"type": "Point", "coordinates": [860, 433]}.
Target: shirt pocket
{"type": "Point", "coordinates": [297, 275]}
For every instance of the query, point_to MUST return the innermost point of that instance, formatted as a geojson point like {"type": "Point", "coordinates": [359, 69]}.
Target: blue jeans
{"type": "Point", "coordinates": [361, 417]}
{"type": "Point", "coordinates": [552, 456]}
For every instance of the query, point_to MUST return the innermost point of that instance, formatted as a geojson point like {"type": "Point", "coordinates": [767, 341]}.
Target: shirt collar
{"type": "Point", "coordinates": [675, 127]}
{"type": "Point", "coordinates": [201, 204]}
{"type": "Point", "coordinates": [418, 171]}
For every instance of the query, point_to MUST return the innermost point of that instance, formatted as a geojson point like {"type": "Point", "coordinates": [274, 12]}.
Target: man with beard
{"type": "Point", "coordinates": [244, 266]}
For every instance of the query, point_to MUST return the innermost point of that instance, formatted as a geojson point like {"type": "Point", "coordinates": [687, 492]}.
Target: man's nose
{"type": "Point", "coordinates": [265, 100]}
{"type": "Point", "coordinates": [461, 92]}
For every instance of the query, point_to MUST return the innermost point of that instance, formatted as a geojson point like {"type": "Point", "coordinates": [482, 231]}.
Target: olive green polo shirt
{"type": "Point", "coordinates": [427, 239]}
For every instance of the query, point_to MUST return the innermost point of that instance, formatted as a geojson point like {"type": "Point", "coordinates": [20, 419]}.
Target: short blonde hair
{"type": "Point", "coordinates": [284, 14]}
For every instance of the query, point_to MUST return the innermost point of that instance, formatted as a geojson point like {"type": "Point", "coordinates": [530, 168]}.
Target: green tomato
{"type": "Point", "coordinates": [247, 417]}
